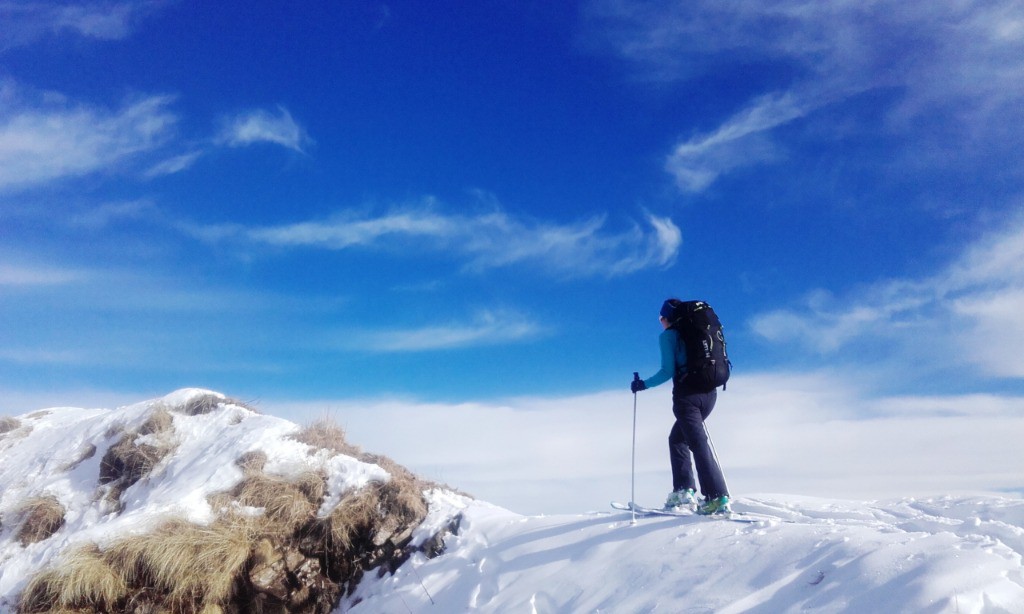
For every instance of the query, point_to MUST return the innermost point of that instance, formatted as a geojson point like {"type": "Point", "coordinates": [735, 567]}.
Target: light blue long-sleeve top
{"type": "Point", "coordinates": [672, 357]}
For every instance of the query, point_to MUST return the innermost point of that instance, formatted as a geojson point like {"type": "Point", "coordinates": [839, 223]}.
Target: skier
{"type": "Point", "coordinates": [688, 437]}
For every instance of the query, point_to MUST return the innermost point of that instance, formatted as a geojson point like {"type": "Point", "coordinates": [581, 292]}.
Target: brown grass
{"type": "Point", "coordinates": [402, 499]}
{"type": "Point", "coordinates": [82, 581]}
{"type": "Point", "coordinates": [379, 511]}
{"type": "Point", "coordinates": [287, 505]}
{"type": "Point", "coordinates": [193, 565]}
{"type": "Point", "coordinates": [206, 403]}
{"type": "Point", "coordinates": [179, 567]}
{"type": "Point", "coordinates": [159, 421]}
{"type": "Point", "coordinates": [355, 516]}
{"type": "Point", "coordinates": [325, 434]}
{"type": "Point", "coordinates": [43, 516]}
{"type": "Point", "coordinates": [252, 462]}
{"type": "Point", "coordinates": [126, 462]}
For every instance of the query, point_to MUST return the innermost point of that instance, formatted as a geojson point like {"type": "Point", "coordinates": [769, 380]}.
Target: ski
{"type": "Point", "coordinates": [647, 511]}
{"type": "Point", "coordinates": [655, 511]}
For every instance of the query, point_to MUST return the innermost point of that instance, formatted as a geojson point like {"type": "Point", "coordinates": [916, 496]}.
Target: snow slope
{"type": "Point", "coordinates": [941, 555]}
{"type": "Point", "coordinates": [936, 555]}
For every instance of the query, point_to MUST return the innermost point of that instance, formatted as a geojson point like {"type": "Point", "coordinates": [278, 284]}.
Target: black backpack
{"type": "Point", "coordinates": [707, 363]}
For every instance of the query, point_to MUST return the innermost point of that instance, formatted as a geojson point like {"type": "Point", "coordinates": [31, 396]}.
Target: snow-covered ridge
{"type": "Point", "coordinates": [953, 554]}
{"type": "Point", "coordinates": [123, 472]}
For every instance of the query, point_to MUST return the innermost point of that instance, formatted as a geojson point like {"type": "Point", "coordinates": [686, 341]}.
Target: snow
{"type": "Point", "coordinates": [945, 554]}
{"type": "Point", "coordinates": [938, 555]}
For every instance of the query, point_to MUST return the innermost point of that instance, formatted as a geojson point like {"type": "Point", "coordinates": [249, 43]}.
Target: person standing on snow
{"type": "Point", "coordinates": [688, 437]}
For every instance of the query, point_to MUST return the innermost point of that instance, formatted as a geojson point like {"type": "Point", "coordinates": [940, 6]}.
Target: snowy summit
{"type": "Point", "coordinates": [195, 502]}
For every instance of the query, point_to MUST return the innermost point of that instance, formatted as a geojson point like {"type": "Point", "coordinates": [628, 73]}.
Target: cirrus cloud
{"type": "Point", "coordinates": [59, 140]}
{"type": "Point", "coordinates": [262, 126]}
{"type": "Point", "coordinates": [489, 240]}
{"type": "Point", "coordinates": [949, 63]}
{"type": "Point", "coordinates": [487, 327]}
{"type": "Point", "coordinates": [27, 22]}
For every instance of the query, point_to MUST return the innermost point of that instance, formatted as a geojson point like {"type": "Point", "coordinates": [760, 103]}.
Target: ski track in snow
{"type": "Point", "coordinates": [951, 554]}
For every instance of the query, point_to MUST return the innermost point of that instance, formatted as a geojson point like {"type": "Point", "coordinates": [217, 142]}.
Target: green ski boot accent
{"type": "Point", "coordinates": [715, 506]}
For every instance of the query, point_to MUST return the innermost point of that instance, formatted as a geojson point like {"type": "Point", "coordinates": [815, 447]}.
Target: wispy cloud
{"type": "Point", "coordinates": [63, 140]}
{"type": "Point", "coordinates": [959, 61]}
{"type": "Point", "coordinates": [174, 164]}
{"type": "Point", "coordinates": [488, 240]}
{"type": "Point", "coordinates": [740, 141]}
{"type": "Point", "coordinates": [27, 22]}
{"type": "Point", "coordinates": [484, 328]}
{"type": "Point", "coordinates": [262, 126]}
{"type": "Point", "coordinates": [970, 313]}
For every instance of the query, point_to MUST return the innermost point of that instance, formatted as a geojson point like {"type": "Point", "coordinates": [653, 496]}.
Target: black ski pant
{"type": "Point", "coordinates": [689, 439]}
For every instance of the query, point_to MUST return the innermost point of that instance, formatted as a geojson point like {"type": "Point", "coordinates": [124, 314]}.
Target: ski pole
{"type": "Point", "coordinates": [711, 443]}
{"type": "Point", "coordinates": [632, 470]}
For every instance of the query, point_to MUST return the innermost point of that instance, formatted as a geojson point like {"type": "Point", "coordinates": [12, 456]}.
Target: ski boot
{"type": "Point", "coordinates": [718, 505]}
{"type": "Point", "coordinates": [681, 498]}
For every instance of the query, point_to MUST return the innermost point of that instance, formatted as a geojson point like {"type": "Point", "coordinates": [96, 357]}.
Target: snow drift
{"type": "Point", "coordinates": [81, 484]}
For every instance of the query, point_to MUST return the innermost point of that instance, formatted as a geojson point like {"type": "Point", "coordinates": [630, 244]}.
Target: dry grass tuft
{"type": "Point", "coordinates": [402, 500]}
{"type": "Point", "coordinates": [127, 461]}
{"type": "Point", "coordinates": [8, 424]}
{"type": "Point", "coordinates": [194, 566]}
{"type": "Point", "coordinates": [287, 505]}
{"type": "Point", "coordinates": [202, 404]}
{"type": "Point", "coordinates": [313, 485]}
{"type": "Point", "coordinates": [252, 462]}
{"type": "Point", "coordinates": [44, 516]}
{"type": "Point", "coordinates": [355, 517]}
{"type": "Point", "coordinates": [160, 421]}
{"type": "Point", "coordinates": [208, 402]}
{"type": "Point", "coordinates": [324, 433]}
{"type": "Point", "coordinates": [379, 511]}
{"type": "Point", "coordinates": [83, 581]}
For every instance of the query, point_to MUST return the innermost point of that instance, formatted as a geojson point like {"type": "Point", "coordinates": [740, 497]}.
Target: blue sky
{"type": "Point", "coordinates": [488, 200]}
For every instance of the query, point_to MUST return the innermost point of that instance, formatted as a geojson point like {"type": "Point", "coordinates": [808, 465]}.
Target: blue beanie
{"type": "Point", "coordinates": [668, 309]}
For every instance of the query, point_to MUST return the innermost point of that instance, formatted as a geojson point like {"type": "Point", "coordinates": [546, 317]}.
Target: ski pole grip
{"type": "Point", "coordinates": [636, 376]}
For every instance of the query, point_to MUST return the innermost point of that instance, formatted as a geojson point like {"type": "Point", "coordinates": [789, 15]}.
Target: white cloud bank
{"type": "Point", "coordinates": [803, 434]}
{"type": "Point", "coordinates": [813, 434]}
{"type": "Point", "coordinates": [971, 313]}
{"type": "Point", "coordinates": [489, 240]}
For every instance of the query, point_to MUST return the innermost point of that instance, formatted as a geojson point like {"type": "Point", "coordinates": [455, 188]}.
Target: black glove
{"type": "Point", "coordinates": [637, 385]}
